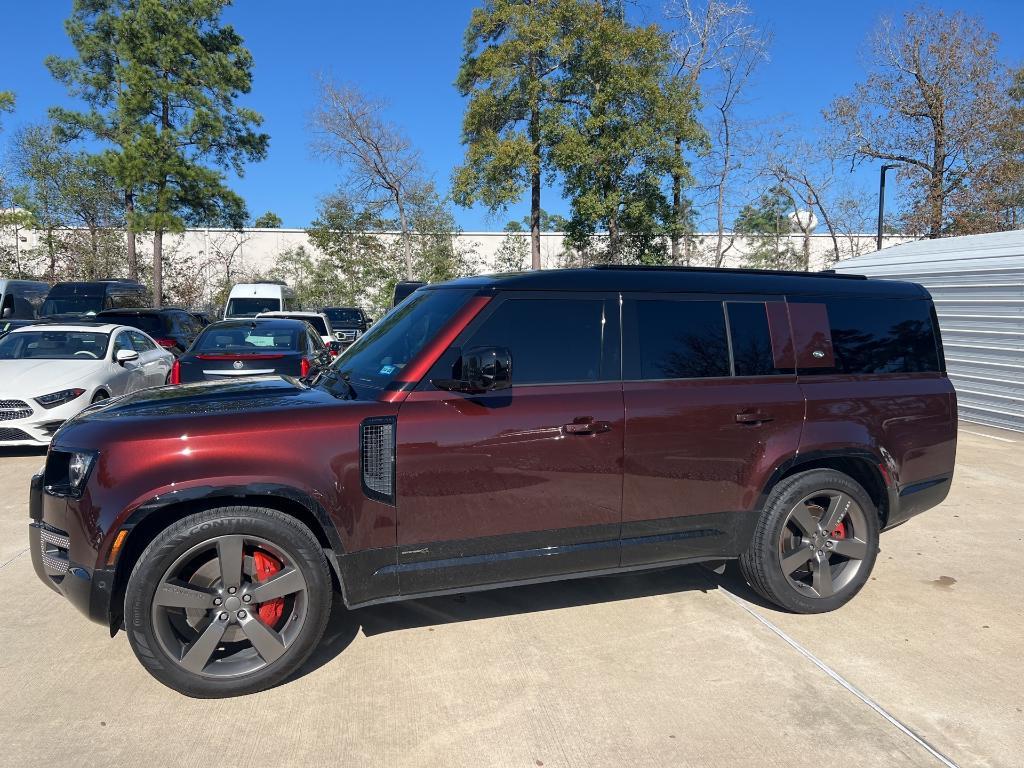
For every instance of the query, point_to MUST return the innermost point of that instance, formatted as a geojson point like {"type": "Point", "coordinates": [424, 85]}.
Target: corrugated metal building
{"type": "Point", "coordinates": [977, 282]}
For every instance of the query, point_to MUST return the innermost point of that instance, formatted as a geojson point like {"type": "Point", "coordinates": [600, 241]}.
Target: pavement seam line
{"type": "Point", "coordinates": [896, 723]}
{"type": "Point", "coordinates": [4, 565]}
{"type": "Point", "coordinates": [990, 437]}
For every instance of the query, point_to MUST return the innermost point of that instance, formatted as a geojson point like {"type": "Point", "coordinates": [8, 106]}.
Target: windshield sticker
{"type": "Point", "coordinates": [387, 370]}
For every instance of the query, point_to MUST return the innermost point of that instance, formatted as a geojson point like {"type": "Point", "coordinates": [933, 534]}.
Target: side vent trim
{"type": "Point", "coordinates": [377, 458]}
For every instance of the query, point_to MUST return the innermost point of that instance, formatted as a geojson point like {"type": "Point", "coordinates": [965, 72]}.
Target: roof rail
{"type": "Point", "coordinates": [828, 273]}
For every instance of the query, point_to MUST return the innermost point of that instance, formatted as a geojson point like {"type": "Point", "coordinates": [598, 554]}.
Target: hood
{"type": "Point", "coordinates": [32, 378]}
{"type": "Point", "coordinates": [207, 399]}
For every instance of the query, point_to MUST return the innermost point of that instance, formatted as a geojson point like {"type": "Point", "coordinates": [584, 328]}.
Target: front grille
{"type": "Point", "coordinates": [54, 545]}
{"type": "Point", "coordinates": [14, 409]}
{"type": "Point", "coordinates": [10, 434]}
{"type": "Point", "coordinates": [346, 335]}
{"type": "Point", "coordinates": [377, 458]}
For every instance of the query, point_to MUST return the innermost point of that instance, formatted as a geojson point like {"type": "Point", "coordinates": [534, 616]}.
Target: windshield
{"type": "Point", "coordinates": [54, 345]}
{"type": "Point", "coordinates": [252, 306]}
{"type": "Point", "coordinates": [247, 339]}
{"type": "Point", "coordinates": [72, 305]}
{"type": "Point", "coordinates": [344, 316]}
{"type": "Point", "coordinates": [380, 353]}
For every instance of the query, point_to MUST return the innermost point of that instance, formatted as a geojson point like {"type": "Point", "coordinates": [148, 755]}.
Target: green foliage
{"type": "Point", "coordinates": [616, 144]}
{"type": "Point", "coordinates": [549, 222]}
{"type": "Point", "coordinates": [73, 202]}
{"type": "Point", "coordinates": [766, 226]}
{"type": "Point", "coordinates": [512, 254]}
{"type": "Point", "coordinates": [6, 103]}
{"type": "Point", "coordinates": [268, 220]}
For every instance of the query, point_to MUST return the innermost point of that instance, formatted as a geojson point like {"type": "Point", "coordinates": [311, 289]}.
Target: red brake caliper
{"type": "Point", "coordinates": [839, 532]}
{"type": "Point", "coordinates": [266, 566]}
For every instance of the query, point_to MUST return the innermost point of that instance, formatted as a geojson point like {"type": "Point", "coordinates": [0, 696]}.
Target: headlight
{"type": "Point", "coordinates": [67, 472]}
{"type": "Point", "coordinates": [54, 399]}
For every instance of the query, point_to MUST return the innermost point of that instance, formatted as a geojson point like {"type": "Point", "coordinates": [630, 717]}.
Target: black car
{"type": "Point", "coordinates": [403, 289]}
{"type": "Point", "coordinates": [78, 299]}
{"type": "Point", "coordinates": [348, 323]}
{"type": "Point", "coordinates": [252, 347]}
{"type": "Point", "coordinates": [172, 328]}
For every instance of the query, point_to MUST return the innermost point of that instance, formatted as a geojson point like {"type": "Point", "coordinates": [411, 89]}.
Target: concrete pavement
{"type": "Point", "coordinates": [670, 668]}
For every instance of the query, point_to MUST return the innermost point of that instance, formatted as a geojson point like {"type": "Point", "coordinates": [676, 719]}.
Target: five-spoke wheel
{"type": "Point", "coordinates": [815, 543]}
{"type": "Point", "coordinates": [228, 601]}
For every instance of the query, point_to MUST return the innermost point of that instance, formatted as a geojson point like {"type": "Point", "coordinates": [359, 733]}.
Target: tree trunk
{"type": "Point", "coordinates": [722, 178]}
{"type": "Point", "coordinates": [535, 189]}
{"type": "Point", "coordinates": [677, 201]}
{"type": "Point", "coordinates": [406, 245]}
{"type": "Point", "coordinates": [130, 253]}
{"type": "Point", "coordinates": [158, 267]}
{"type": "Point", "coordinates": [52, 253]}
{"type": "Point", "coordinates": [613, 238]}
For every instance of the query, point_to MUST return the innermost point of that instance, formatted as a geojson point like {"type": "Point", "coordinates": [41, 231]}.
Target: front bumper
{"type": "Point", "coordinates": [38, 425]}
{"type": "Point", "coordinates": [53, 556]}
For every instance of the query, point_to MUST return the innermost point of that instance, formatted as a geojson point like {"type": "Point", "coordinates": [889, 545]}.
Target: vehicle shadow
{"type": "Point", "coordinates": [344, 625]}
{"type": "Point", "coordinates": [15, 451]}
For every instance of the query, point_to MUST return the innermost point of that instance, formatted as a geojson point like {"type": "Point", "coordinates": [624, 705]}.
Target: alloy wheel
{"type": "Point", "coordinates": [822, 546]}
{"type": "Point", "coordinates": [230, 606]}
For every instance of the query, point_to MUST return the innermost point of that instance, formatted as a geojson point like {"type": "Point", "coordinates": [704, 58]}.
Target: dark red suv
{"type": "Point", "coordinates": [503, 430]}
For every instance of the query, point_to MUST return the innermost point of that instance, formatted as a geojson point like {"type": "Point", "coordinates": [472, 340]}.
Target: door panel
{"type": "Point", "coordinates": [524, 482]}
{"type": "Point", "coordinates": [700, 442]}
{"type": "Point", "coordinates": [490, 475]}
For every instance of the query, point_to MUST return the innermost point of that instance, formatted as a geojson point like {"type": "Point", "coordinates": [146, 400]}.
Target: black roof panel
{"type": "Point", "coordinates": [687, 280]}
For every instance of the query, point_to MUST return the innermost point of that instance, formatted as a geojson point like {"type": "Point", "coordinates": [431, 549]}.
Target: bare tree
{"type": "Point", "coordinates": [350, 127]}
{"type": "Point", "coordinates": [931, 103]}
{"type": "Point", "coordinates": [719, 48]}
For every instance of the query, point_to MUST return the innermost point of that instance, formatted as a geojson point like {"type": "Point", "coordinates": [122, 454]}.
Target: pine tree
{"type": "Point", "coordinates": [161, 79]}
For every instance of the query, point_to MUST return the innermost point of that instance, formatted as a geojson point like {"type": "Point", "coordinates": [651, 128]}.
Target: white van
{"type": "Point", "coordinates": [249, 299]}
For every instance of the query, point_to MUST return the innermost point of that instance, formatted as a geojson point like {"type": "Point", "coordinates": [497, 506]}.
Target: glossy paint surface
{"type": "Point", "coordinates": [510, 462]}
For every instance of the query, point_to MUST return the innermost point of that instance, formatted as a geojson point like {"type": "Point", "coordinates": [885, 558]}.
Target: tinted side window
{"type": "Point", "coordinates": [880, 336]}
{"type": "Point", "coordinates": [142, 344]}
{"type": "Point", "coordinates": [680, 340]}
{"type": "Point", "coordinates": [751, 340]}
{"type": "Point", "coordinates": [551, 340]}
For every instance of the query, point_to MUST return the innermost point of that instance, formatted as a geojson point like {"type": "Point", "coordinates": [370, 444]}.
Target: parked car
{"type": "Point", "coordinates": [349, 323]}
{"type": "Point", "coordinates": [249, 299]}
{"type": "Point", "coordinates": [403, 289]}
{"type": "Point", "coordinates": [71, 300]}
{"type": "Point", "coordinates": [497, 431]}
{"type": "Point", "coordinates": [6, 326]}
{"type": "Point", "coordinates": [49, 373]}
{"type": "Point", "coordinates": [204, 318]}
{"type": "Point", "coordinates": [259, 347]}
{"type": "Point", "coordinates": [318, 320]}
{"type": "Point", "coordinates": [172, 328]}
{"type": "Point", "coordinates": [21, 299]}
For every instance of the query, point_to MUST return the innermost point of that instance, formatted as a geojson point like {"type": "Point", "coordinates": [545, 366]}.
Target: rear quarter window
{"type": "Point", "coordinates": [872, 336]}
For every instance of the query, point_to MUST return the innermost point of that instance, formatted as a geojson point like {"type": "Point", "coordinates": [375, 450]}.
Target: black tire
{"type": "Point", "coordinates": [788, 529]}
{"type": "Point", "coordinates": [163, 634]}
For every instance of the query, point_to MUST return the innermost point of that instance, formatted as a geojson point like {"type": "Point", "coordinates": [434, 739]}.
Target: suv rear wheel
{"type": "Point", "coordinates": [815, 543]}
{"type": "Point", "coordinates": [228, 601]}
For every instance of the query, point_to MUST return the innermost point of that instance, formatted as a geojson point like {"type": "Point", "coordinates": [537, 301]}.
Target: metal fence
{"type": "Point", "coordinates": [977, 283]}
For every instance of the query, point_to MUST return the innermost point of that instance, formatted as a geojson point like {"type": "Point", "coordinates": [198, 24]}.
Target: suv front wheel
{"type": "Point", "coordinates": [228, 601]}
{"type": "Point", "coordinates": [815, 543]}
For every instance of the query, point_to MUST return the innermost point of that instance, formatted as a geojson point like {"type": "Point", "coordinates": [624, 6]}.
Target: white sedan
{"type": "Point", "coordinates": [48, 373]}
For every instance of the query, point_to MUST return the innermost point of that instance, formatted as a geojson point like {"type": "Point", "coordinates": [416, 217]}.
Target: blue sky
{"type": "Point", "coordinates": [408, 52]}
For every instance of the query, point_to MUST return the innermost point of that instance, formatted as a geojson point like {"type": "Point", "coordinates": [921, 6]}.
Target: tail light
{"type": "Point", "coordinates": [304, 368]}
{"type": "Point", "coordinates": [176, 373]}
{"type": "Point", "coordinates": [166, 343]}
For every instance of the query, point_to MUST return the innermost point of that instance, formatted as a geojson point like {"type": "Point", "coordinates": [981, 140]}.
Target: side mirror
{"type": "Point", "coordinates": [483, 369]}
{"type": "Point", "coordinates": [335, 348]}
{"type": "Point", "coordinates": [125, 355]}
{"type": "Point", "coordinates": [8, 312]}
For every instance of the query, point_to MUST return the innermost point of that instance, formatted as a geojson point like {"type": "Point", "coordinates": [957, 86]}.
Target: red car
{"type": "Point", "coordinates": [503, 430]}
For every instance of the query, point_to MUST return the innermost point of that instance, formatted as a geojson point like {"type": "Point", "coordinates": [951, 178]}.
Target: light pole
{"type": "Point", "coordinates": [881, 202]}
